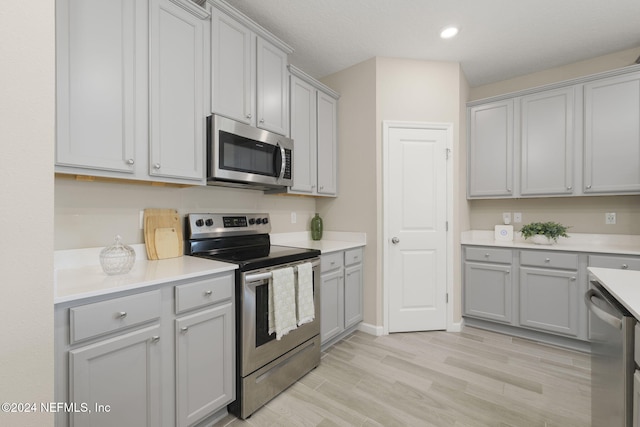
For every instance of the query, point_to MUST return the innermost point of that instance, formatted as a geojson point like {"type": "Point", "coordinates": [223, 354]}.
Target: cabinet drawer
{"type": "Point", "coordinates": [91, 320]}
{"type": "Point", "coordinates": [203, 293]}
{"type": "Point", "coordinates": [331, 261]}
{"type": "Point", "coordinates": [621, 262]}
{"type": "Point", "coordinates": [489, 255]}
{"type": "Point", "coordinates": [353, 256]}
{"type": "Point", "coordinates": [549, 259]}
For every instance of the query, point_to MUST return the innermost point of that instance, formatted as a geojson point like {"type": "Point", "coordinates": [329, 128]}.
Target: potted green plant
{"type": "Point", "coordinates": [544, 233]}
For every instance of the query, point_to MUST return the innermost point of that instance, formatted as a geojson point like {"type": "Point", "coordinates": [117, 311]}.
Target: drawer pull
{"type": "Point", "coordinates": [547, 260]}
{"type": "Point", "coordinates": [155, 339]}
{"type": "Point", "coordinates": [121, 315]}
{"type": "Point", "coordinates": [573, 279]}
{"type": "Point", "coordinates": [507, 271]}
{"type": "Point", "coordinates": [184, 329]}
{"type": "Point", "coordinates": [207, 293]}
{"type": "Point", "coordinates": [625, 266]}
{"type": "Point", "coordinates": [486, 255]}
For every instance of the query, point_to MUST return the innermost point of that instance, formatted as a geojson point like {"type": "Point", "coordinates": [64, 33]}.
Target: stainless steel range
{"type": "Point", "coordinates": [265, 366]}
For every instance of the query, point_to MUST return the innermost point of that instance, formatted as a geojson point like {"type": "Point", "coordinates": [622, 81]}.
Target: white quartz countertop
{"type": "Point", "coordinates": [332, 241]}
{"type": "Point", "coordinates": [576, 242]}
{"type": "Point", "coordinates": [78, 274]}
{"type": "Point", "coordinates": [624, 285]}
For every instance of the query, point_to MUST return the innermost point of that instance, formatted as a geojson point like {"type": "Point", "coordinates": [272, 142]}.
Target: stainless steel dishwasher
{"type": "Point", "coordinates": [611, 331]}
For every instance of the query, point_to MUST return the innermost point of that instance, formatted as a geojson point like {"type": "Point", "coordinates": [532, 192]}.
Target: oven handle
{"type": "Point", "coordinates": [249, 279]}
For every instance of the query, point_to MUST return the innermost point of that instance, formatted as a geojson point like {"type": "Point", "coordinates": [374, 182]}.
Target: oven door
{"type": "Point", "coordinates": [258, 346]}
{"type": "Point", "coordinates": [241, 153]}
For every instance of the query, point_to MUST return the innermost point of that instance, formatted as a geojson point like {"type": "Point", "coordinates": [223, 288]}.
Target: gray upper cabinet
{"type": "Point", "coordinates": [314, 132]}
{"type": "Point", "coordinates": [612, 135]}
{"type": "Point", "coordinates": [572, 138]}
{"type": "Point", "coordinates": [490, 139]}
{"type": "Point", "coordinates": [249, 79]}
{"type": "Point", "coordinates": [546, 143]}
{"type": "Point", "coordinates": [100, 84]}
{"type": "Point", "coordinates": [130, 89]}
{"type": "Point", "coordinates": [177, 70]}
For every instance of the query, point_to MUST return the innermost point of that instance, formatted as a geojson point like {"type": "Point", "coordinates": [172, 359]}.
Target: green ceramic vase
{"type": "Point", "coordinates": [316, 227]}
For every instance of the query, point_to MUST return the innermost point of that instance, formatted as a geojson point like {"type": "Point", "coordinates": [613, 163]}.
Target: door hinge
{"type": "Point", "coordinates": [448, 153]}
{"type": "Point", "coordinates": [447, 298]}
{"type": "Point", "coordinates": [446, 226]}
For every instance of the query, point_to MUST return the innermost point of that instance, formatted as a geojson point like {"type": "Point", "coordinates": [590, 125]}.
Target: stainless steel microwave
{"type": "Point", "coordinates": [239, 155]}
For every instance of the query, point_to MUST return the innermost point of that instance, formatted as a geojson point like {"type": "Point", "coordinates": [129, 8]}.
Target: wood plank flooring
{"type": "Point", "coordinates": [472, 378]}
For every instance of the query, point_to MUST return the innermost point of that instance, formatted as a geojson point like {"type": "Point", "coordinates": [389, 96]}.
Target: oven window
{"type": "Point", "coordinates": [246, 155]}
{"type": "Point", "coordinates": [262, 316]}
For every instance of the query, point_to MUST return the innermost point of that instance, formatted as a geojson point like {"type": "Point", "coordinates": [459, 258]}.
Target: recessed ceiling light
{"type": "Point", "coordinates": [449, 32]}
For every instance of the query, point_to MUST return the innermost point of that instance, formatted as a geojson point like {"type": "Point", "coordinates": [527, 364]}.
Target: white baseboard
{"type": "Point", "coordinates": [370, 329]}
{"type": "Point", "coordinates": [456, 327]}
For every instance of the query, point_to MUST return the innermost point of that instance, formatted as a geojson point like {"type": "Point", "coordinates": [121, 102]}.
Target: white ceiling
{"type": "Point", "coordinates": [499, 39]}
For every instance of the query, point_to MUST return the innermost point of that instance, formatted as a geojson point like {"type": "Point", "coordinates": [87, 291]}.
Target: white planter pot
{"type": "Point", "coordinates": [541, 239]}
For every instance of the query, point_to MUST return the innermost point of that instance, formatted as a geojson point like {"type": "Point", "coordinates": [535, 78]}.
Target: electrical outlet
{"type": "Point", "coordinates": [506, 217]}
{"type": "Point", "coordinates": [294, 218]}
{"type": "Point", "coordinates": [610, 218]}
{"type": "Point", "coordinates": [517, 217]}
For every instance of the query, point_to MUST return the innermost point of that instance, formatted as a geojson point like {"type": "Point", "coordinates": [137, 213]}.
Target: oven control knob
{"type": "Point", "coordinates": [258, 221]}
{"type": "Point", "coordinates": [265, 220]}
{"type": "Point", "coordinates": [209, 222]}
{"type": "Point", "coordinates": [252, 221]}
{"type": "Point", "coordinates": [199, 223]}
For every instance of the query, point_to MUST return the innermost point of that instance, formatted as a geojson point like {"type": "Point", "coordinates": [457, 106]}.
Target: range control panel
{"type": "Point", "coordinates": [207, 225]}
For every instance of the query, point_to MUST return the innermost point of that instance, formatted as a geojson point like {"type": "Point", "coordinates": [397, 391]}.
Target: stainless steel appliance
{"type": "Point", "coordinates": [264, 366]}
{"type": "Point", "coordinates": [611, 331]}
{"type": "Point", "coordinates": [239, 155]}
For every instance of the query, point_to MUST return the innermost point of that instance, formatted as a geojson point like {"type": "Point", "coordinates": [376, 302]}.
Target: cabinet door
{"type": "Point", "coordinates": [327, 145]}
{"type": "Point", "coordinates": [331, 305]}
{"type": "Point", "coordinates": [272, 95]}
{"type": "Point", "coordinates": [549, 300]}
{"type": "Point", "coordinates": [547, 143]}
{"type": "Point", "coordinates": [352, 295]}
{"type": "Point", "coordinates": [232, 68]}
{"type": "Point", "coordinates": [491, 150]}
{"type": "Point", "coordinates": [98, 83]}
{"type": "Point", "coordinates": [487, 291]}
{"type": "Point", "coordinates": [205, 363]}
{"type": "Point", "coordinates": [303, 133]}
{"type": "Point", "coordinates": [612, 135]}
{"type": "Point", "coordinates": [122, 372]}
{"type": "Point", "coordinates": [176, 80]}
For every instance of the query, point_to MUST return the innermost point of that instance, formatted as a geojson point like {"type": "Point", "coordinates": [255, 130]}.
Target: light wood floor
{"type": "Point", "coordinates": [472, 378]}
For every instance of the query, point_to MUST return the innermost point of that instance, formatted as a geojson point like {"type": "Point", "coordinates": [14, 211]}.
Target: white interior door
{"type": "Point", "coordinates": [416, 226]}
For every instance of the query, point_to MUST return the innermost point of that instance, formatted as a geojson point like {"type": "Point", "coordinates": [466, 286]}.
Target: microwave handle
{"type": "Point", "coordinates": [284, 160]}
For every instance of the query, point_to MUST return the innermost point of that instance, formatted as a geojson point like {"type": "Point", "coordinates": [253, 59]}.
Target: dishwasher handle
{"type": "Point", "coordinates": [603, 315]}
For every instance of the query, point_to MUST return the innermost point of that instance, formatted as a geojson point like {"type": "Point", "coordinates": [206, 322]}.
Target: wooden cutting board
{"type": "Point", "coordinates": [168, 242]}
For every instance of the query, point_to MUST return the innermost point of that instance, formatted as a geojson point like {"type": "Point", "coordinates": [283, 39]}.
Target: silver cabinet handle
{"type": "Point", "coordinates": [547, 260]}
{"type": "Point", "coordinates": [573, 278]}
{"type": "Point", "coordinates": [507, 271]}
{"type": "Point", "coordinates": [589, 187]}
{"type": "Point", "coordinates": [624, 266]}
{"type": "Point", "coordinates": [509, 190]}
{"type": "Point", "coordinates": [156, 166]}
{"type": "Point", "coordinates": [121, 315]}
{"type": "Point", "coordinates": [184, 329]}
{"type": "Point", "coordinates": [261, 121]}
{"type": "Point", "coordinates": [570, 188]}
{"type": "Point", "coordinates": [155, 339]}
{"type": "Point", "coordinates": [207, 293]}
{"type": "Point", "coordinates": [487, 255]}
{"type": "Point", "coordinates": [395, 240]}
{"type": "Point", "coordinates": [130, 161]}
{"type": "Point", "coordinates": [248, 116]}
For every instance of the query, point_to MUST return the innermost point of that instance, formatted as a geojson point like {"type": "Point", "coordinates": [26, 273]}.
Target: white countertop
{"type": "Point", "coordinates": [78, 274]}
{"type": "Point", "coordinates": [576, 242]}
{"type": "Point", "coordinates": [332, 241]}
{"type": "Point", "coordinates": [624, 285]}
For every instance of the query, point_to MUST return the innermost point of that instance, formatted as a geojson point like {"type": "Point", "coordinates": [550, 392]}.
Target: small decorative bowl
{"type": "Point", "coordinates": [117, 258]}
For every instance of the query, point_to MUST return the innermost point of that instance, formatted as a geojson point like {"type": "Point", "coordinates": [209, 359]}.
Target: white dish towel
{"type": "Point", "coordinates": [282, 302]}
{"type": "Point", "coordinates": [304, 294]}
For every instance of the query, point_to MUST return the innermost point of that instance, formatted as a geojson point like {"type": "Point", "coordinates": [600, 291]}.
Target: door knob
{"type": "Point", "coordinates": [395, 240]}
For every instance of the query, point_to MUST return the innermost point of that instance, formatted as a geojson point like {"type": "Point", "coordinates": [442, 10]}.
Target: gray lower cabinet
{"type": "Point", "coordinates": [549, 292]}
{"type": "Point", "coordinates": [163, 357]}
{"type": "Point", "coordinates": [341, 283]}
{"type": "Point", "coordinates": [119, 379]}
{"type": "Point", "coordinates": [487, 291]}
